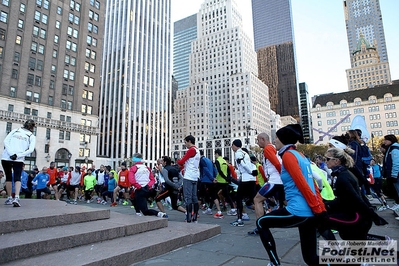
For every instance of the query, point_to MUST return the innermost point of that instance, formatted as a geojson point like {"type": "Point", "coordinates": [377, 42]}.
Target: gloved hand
{"type": "Point", "coordinates": [322, 219]}
{"type": "Point", "coordinates": [13, 157]}
{"type": "Point", "coordinates": [255, 172]}
{"type": "Point", "coordinates": [239, 160]}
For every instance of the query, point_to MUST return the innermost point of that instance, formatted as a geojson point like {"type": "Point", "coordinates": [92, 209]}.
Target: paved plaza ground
{"type": "Point", "coordinates": [235, 247]}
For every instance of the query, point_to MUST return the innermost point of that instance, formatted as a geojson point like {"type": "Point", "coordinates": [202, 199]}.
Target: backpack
{"type": "Point", "coordinates": [365, 154]}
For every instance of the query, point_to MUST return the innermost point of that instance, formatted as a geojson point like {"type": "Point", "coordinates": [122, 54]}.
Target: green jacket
{"type": "Point", "coordinates": [89, 182]}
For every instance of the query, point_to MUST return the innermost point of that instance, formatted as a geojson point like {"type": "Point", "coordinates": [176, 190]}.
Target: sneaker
{"type": "Point", "coordinates": [16, 203]}
{"type": "Point", "coordinates": [162, 215]}
{"type": "Point", "coordinates": [254, 232]}
{"type": "Point", "coordinates": [245, 217]}
{"type": "Point", "coordinates": [381, 208]}
{"type": "Point", "coordinates": [91, 200]}
{"type": "Point", "coordinates": [232, 213]}
{"type": "Point", "coordinates": [88, 201]}
{"type": "Point", "coordinates": [125, 203]}
{"type": "Point", "coordinates": [99, 201]}
{"type": "Point", "coordinates": [75, 202]}
{"type": "Point", "coordinates": [237, 223]}
{"type": "Point", "coordinates": [207, 211]}
{"type": "Point", "coordinates": [132, 207]}
{"type": "Point", "coordinates": [395, 207]}
{"type": "Point", "coordinates": [139, 214]}
{"type": "Point", "coordinates": [114, 204]}
{"type": "Point", "coordinates": [218, 216]}
{"type": "Point", "coordinates": [151, 205]}
{"type": "Point", "coordinates": [334, 231]}
{"type": "Point", "coordinates": [203, 207]}
{"type": "Point", "coordinates": [8, 201]}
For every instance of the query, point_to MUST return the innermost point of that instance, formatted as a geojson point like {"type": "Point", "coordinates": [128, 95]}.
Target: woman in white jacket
{"type": "Point", "coordinates": [19, 143]}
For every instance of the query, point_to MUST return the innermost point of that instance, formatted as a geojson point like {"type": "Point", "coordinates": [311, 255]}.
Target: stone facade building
{"type": "Point", "coordinates": [50, 58]}
{"type": "Point", "coordinates": [334, 112]}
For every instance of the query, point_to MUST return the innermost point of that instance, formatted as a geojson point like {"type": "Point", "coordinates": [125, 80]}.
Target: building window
{"type": "Point", "coordinates": [18, 40]}
{"type": "Point", "coordinates": [10, 108]}
{"type": "Point", "coordinates": [31, 79]}
{"type": "Point", "coordinates": [13, 92]}
{"type": "Point", "coordinates": [63, 104]}
{"type": "Point", "coordinates": [35, 112]}
{"type": "Point", "coordinates": [50, 100]}
{"type": "Point", "coordinates": [52, 84]}
{"type": "Point", "coordinates": [48, 133]}
{"type": "Point", "coordinates": [2, 34]}
{"type": "Point", "coordinates": [8, 127]}
{"type": "Point", "coordinates": [38, 81]}
{"type": "Point", "coordinates": [22, 8]}
{"type": "Point", "coordinates": [59, 10]}
{"type": "Point", "coordinates": [36, 97]}
{"type": "Point", "coordinates": [17, 56]}
{"type": "Point", "coordinates": [14, 74]}
{"type": "Point", "coordinates": [67, 135]}
{"type": "Point", "coordinates": [27, 111]}
{"type": "Point", "coordinates": [20, 24]}
{"type": "Point", "coordinates": [61, 135]}
{"type": "Point", "coordinates": [3, 16]}
{"type": "Point", "coordinates": [57, 24]}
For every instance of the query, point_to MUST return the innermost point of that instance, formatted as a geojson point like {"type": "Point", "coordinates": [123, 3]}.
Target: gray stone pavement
{"type": "Point", "coordinates": [234, 247]}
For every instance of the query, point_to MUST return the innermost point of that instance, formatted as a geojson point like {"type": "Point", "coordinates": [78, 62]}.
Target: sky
{"type": "Point", "coordinates": [320, 39]}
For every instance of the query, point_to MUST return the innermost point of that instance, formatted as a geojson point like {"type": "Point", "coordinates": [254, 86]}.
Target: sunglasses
{"type": "Point", "coordinates": [329, 158]}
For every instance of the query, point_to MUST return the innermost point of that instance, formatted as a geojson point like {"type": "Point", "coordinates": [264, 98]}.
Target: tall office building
{"type": "Point", "coordinates": [306, 117]}
{"type": "Point", "coordinates": [225, 99]}
{"type": "Point", "coordinates": [136, 80]}
{"type": "Point", "coordinates": [185, 31]}
{"type": "Point", "coordinates": [274, 44]}
{"type": "Point", "coordinates": [364, 17]}
{"type": "Point", "coordinates": [50, 57]}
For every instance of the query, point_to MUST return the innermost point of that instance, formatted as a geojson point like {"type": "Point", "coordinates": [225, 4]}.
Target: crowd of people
{"type": "Point", "coordinates": [284, 187]}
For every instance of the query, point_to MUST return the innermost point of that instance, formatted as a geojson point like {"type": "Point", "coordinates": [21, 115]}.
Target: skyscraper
{"type": "Point", "coordinates": [136, 80]}
{"type": "Point", "coordinates": [274, 44]}
{"type": "Point", "coordinates": [364, 17]}
{"type": "Point", "coordinates": [225, 99]}
{"type": "Point", "coordinates": [50, 57]}
{"type": "Point", "coordinates": [272, 22]}
{"type": "Point", "coordinates": [185, 31]}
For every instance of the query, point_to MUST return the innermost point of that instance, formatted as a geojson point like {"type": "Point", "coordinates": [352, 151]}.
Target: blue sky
{"type": "Point", "coordinates": [320, 38]}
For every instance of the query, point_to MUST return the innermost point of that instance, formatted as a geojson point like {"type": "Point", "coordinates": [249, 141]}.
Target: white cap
{"type": "Point", "coordinates": [337, 144]}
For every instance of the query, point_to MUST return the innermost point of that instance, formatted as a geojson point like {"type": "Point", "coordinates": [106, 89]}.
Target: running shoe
{"type": "Point", "coordinates": [395, 207]}
{"type": "Point", "coordinates": [8, 201]}
{"type": "Point", "coordinates": [207, 211]}
{"type": "Point", "coordinates": [381, 208]}
{"type": "Point", "coordinates": [218, 216]}
{"type": "Point", "coordinates": [254, 232]}
{"type": "Point", "coordinates": [75, 202]}
{"type": "Point", "coordinates": [245, 217]}
{"type": "Point", "coordinates": [114, 204]}
{"type": "Point", "coordinates": [162, 215]}
{"type": "Point", "coordinates": [125, 203]}
{"type": "Point", "coordinates": [99, 201]}
{"type": "Point", "coordinates": [88, 201]}
{"type": "Point", "coordinates": [232, 213]}
{"type": "Point", "coordinates": [139, 214]}
{"type": "Point", "coordinates": [16, 203]}
{"type": "Point", "coordinates": [237, 223]}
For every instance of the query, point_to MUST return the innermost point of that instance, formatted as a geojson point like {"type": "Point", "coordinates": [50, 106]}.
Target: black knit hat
{"type": "Point", "coordinates": [237, 143]}
{"type": "Point", "coordinates": [290, 134]}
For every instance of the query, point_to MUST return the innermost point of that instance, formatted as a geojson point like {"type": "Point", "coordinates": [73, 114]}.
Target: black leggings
{"type": "Point", "coordinates": [168, 192]}
{"type": "Point", "coordinates": [281, 218]}
{"type": "Point", "coordinates": [10, 167]}
{"type": "Point", "coordinates": [140, 202]}
{"type": "Point", "coordinates": [245, 189]}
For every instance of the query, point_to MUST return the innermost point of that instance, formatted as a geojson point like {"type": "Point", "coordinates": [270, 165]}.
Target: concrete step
{"type": "Point", "coordinates": [25, 244]}
{"type": "Point", "coordinates": [36, 214]}
{"type": "Point", "coordinates": [130, 249]}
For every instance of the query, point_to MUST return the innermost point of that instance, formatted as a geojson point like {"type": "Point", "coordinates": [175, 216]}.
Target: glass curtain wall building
{"type": "Point", "coordinates": [275, 47]}
{"type": "Point", "coordinates": [185, 31]}
{"type": "Point", "coordinates": [136, 80]}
